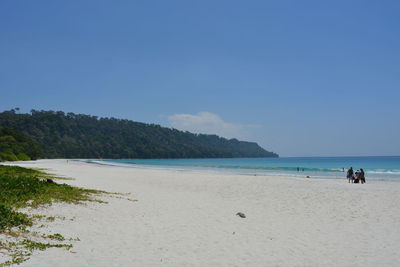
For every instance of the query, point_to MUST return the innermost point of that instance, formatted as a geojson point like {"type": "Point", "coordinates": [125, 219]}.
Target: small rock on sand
{"type": "Point", "coordinates": [241, 215]}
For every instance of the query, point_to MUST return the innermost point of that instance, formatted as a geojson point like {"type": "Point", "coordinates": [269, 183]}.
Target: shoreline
{"type": "Point", "coordinates": [216, 171]}
{"type": "Point", "coordinates": [222, 170]}
{"type": "Point", "coordinates": [189, 218]}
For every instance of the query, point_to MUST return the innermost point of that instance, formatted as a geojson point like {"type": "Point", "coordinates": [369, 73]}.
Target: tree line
{"type": "Point", "coordinates": [68, 135]}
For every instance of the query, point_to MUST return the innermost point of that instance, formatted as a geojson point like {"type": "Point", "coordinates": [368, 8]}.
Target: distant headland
{"type": "Point", "coordinates": [55, 134]}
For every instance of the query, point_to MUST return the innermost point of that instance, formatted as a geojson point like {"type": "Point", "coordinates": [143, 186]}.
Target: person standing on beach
{"type": "Point", "coordinates": [356, 179]}
{"type": "Point", "coordinates": [350, 174]}
{"type": "Point", "coordinates": [362, 176]}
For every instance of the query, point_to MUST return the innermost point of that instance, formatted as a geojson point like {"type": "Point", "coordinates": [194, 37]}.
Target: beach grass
{"type": "Point", "coordinates": [22, 187]}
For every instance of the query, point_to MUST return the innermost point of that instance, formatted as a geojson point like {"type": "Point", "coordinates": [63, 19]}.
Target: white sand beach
{"type": "Point", "coordinates": [185, 218]}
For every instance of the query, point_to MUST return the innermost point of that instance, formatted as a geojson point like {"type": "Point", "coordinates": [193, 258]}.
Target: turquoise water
{"type": "Point", "coordinates": [320, 167]}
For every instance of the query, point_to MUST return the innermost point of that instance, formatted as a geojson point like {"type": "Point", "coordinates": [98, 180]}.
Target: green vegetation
{"type": "Point", "coordinates": [22, 187]}
{"type": "Point", "coordinates": [14, 145]}
{"type": "Point", "coordinates": [20, 251]}
{"type": "Point", "coordinates": [10, 218]}
{"type": "Point", "coordinates": [72, 135]}
{"type": "Point", "coordinates": [57, 236]}
{"type": "Point", "coordinates": [32, 245]}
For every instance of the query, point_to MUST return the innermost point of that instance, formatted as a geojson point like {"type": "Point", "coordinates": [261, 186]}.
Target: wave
{"type": "Point", "coordinates": [296, 169]}
{"type": "Point", "coordinates": [382, 171]}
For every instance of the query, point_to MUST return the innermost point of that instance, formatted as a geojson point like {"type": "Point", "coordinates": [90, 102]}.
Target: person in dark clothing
{"type": "Point", "coordinates": [362, 176]}
{"type": "Point", "coordinates": [350, 174]}
{"type": "Point", "coordinates": [356, 180]}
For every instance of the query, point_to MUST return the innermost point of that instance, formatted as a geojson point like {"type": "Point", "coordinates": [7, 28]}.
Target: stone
{"type": "Point", "coordinates": [241, 215]}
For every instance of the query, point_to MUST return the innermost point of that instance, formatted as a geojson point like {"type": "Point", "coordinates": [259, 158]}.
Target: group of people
{"type": "Point", "coordinates": [356, 177]}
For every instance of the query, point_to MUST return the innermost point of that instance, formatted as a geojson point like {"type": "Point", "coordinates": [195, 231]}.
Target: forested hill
{"type": "Point", "coordinates": [72, 135]}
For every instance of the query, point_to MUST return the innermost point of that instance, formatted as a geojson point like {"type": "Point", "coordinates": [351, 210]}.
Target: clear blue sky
{"type": "Point", "coordinates": [302, 78]}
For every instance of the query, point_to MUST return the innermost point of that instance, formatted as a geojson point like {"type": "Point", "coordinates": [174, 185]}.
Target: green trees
{"type": "Point", "coordinates": [15, 145]}
{"type": "Point", "coordinates": [82, 136]}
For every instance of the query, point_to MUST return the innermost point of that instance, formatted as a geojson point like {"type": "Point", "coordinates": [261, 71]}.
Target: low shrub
{"type": "Point", "coordinates": [10, 218]}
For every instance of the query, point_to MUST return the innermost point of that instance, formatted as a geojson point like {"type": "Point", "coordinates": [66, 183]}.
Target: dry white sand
{"type": "Point", "coordinates": [185, 218]}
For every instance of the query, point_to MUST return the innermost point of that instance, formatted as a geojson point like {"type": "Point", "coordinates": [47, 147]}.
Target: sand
{"type": "Point", "coordinates": [184, 218]}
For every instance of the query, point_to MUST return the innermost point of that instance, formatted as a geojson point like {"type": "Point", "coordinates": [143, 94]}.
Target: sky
{"type": "Point", "coordinates": [300, 78]}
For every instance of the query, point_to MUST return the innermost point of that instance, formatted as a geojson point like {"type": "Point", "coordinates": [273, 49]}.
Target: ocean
{"type": "Point", "coordinates": [377, 168]}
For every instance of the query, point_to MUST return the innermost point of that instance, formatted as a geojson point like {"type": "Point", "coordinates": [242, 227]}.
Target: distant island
{"type": "Point", "coordinates": [55, 134]}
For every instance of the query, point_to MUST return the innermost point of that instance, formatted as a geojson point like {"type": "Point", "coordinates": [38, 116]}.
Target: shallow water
{"type": "Point", "coordinates": [321, 167]}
